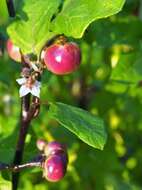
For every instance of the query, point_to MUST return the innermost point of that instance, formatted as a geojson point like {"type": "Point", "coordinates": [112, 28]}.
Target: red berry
{"type": "Point", "coordinates": [54, 147]}
{"type": "Point", "coordinates": [13, 51]}
{"type": "Point", "coordinates": [62, 59]}
{"type": "Point", "coordinates": [55, 167]}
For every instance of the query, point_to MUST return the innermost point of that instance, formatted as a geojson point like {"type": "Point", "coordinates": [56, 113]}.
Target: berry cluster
{"type": "Point", "coordinates": [56, 160]}
{"type": "Point", "coordinates": [60, 58]}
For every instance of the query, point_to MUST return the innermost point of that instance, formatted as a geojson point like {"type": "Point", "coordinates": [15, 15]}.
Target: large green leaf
{"type": "Point", "coordinates": [38, 21]}
{"type": "Point", "coordinates": [30, 30]}
{"type": "Point", "coordinates": [77, 15]}
{"type": "Point", "coordinates": [87, 127]}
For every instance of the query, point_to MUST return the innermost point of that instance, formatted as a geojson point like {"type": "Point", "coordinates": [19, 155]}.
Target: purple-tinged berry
{"type": "Point", "coordinates": [54, 147]}
{"type": "Point", "coordinates": [55, 167]}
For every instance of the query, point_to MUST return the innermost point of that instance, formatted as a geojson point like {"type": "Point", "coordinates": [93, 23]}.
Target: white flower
{"type": "Point", "coordinates": [25, 89]}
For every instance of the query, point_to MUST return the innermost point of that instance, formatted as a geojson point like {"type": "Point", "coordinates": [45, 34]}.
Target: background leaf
{"type": "Point", "coordinates": [5, 184]}
{"type": "Point", "coordinates": [129, 68]}
{"type": "Point", "coordinates": [3, 12]}
{"type": "Point", "coordinates": [111, 50]}
{"type": "Point", "coordinates": [106, 32]}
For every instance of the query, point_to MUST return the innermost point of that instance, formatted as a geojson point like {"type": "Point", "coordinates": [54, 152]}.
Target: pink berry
{"type": "Point", "coordinates": [55, 167]}
{"type": "Point", "coordinates": [13, 51]}
{"type": "Point", "coordinates": [54, 147]}
{"type": "Point", "coordinates": [62, 59]}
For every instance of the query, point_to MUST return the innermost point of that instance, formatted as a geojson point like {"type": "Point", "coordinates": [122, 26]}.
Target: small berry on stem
{"type": "Point", "coordinates": [55, 167]}
{"type": "Point", "coordinates": [13, 51]}
{"type": "Point", "coordinates": [62, 57]}
{"type": "Point", "coordinates": [54, 147]}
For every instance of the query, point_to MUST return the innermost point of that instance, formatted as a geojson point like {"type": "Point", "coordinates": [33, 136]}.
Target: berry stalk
{"type": "Point", "coordinates": [17, 168]}
{"type": "Point", "coordinates": [25, 122]}
{"type": "Point", "coordinates": [11, 9]}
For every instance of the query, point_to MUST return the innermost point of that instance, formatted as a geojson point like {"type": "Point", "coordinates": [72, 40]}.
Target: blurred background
{"type": "Point", "coordinates": [108, 84]}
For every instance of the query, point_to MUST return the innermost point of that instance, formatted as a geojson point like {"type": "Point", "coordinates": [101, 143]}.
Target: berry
{"type": "Point", "coordinates": [55, 167]}
{"type": "Point", "coordinates": [41, 144]}
{"type": "Point", "coordinates": [13, 51]}
{"type": "Point", "coordinates": [62, 58]}
{"type": "Point", "coordinates": [54, 147]}
{"type": "Point", "coordinates": [56, 161]}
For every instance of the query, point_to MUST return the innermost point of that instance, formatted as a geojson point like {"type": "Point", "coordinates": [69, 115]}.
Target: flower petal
{"type": "Point", "coordinates": [35, 91]}
{"type": "Point", "coordinates": [24, 91]}
{"type": "Point", "coordinates": [37, 84]}
{"type": "Point", "coordinates": [21, 81]}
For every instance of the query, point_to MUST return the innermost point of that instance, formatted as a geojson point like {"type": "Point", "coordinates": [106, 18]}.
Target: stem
{"type": "Point", "coordinates": [11, 9]}
{"type": "Point", "coordinates": [25, 121]}
{"type": "Point", "coordinates": [17, 168]}
{"type": "Point", "coordinates": [29, 110]}
{"type": "Point", "coordinates": [3, 166]}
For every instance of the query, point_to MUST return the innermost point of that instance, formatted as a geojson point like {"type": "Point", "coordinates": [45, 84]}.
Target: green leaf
{"type": "Point", "coordinates": [5, 184]}
{"type": "Point", "coordinates": [3, 12]}
{"type": "Point", "coordinates": [87, 127]}
{"type": "Point", "coordinates": [76, 16]}
{"type": "Point", "coordinates": [30, 30]}
{"type": "Point", "coordinates": [35, 25]}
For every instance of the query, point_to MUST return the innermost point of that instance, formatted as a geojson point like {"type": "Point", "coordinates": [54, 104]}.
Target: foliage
{"type": "Point", "coordinates": [108, 84]}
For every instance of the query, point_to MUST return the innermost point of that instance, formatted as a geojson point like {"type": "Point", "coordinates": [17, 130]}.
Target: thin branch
{"type": "Point", "coordinates": [11, 9]}
{"type": "Point", "coordinates": [35, 108]}
{"type": "Point", "coordinates": [3, 166]}
{"type": "Point", "coordinates": [17, 168]}
{"type": "Point", "coordinates": [27, 165]}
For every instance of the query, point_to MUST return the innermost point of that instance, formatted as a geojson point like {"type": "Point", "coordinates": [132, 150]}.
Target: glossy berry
{"type": "Point", "coordinates": [62, 59]}
{"type": "Point", "coordinates": [55, 167]}
{"type": "Point", "coordinates": [54, 147]}
{"type": "Point", "coordinates": [13, 51]}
